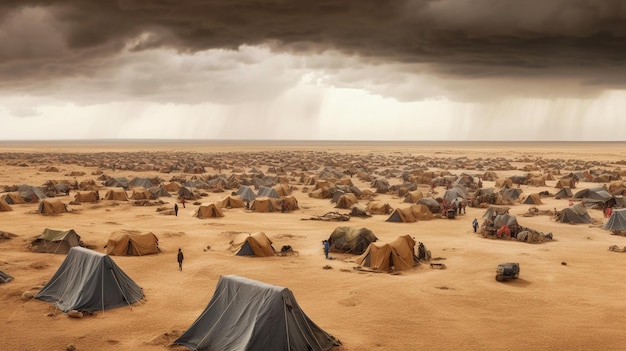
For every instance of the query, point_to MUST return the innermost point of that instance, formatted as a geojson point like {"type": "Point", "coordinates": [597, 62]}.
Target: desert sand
{"type": "Point", "coordinates": [571, 294]}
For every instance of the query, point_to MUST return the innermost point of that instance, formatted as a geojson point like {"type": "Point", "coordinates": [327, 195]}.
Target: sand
{"type": "Point", "coordinates": [571, 294]}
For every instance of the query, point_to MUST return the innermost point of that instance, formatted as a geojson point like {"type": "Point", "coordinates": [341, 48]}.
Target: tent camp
{"type": "Point", "coordinates": [255, 244]}
{"type": "Point", "coordinates": [5, 278]}
{"type": "Point", "coordinates": [13, 198]}
{"type": "Point", "coordinates": [55, 241]}
{"type": "Point", "coordinates": [617, 221]}
{"type": "Point", "coordinates": [129, 243]}
{"type": "Point", "coordinates": [89, 281]}
{"type": "Point", "coordinates": [51, 207]}
{"type": "Point", "coordinates": [245, 314]}
{"type": "Point", "coordinates": [208, 210]}
{"type": "Point", "coordinates": [116, 194]}
{"type": "Point", "coordinates": [574, 214]}
{"type": "Point", "coordinates": [4, 206]}
{"type": "Point", "coordinates": [394, 256]}
{"type": "Point", "coordinates": [351, 240]}
{"type": "Point", "coordinates": [86, 196]}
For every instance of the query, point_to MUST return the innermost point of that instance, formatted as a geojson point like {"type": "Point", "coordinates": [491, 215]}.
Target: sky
{"type": "Point", "coordinates": [318, 70]}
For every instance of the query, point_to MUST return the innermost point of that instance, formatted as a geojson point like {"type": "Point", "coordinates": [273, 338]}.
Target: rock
{"type": "Point", "coordinates": [564, 263]}
{"type": "Point", "coordinates": [27, 295]}
{"type": "Point", "coordinates": [70, 347]}
{"type": "Point", "coordinates": [75, 314]}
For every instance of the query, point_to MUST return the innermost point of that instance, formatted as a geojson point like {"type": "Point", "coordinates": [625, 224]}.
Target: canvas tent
{"type": "Point", "coordinates": [533, 199]}
{"type": "Point", "coordinates": [246, 193]}
{"type": "Point", "coordinates": [158, 191]}
{"type": "Point", "coordinates": [120, 182]}
{"type": "Point", "coordinates": [265, 204]}
{"type": "Point", "coordinates": [13, 198]}
{"type": "Point", "coordinates": [574, 214]}
{"type": "Point", "coordinates": [394, 256]}
{"type": "Point", "coordinates": [4, 206]}
{"type": "Point", "coordinates": [138, 182]}
{"type": "Point", "coordinates": [267, 192]}
{"type": "Point", "coordinates": [255, 244]}
{"type": "Point", "coordinates": [290, 202]}
{"type": "Point", "coordinates": [128, 243]}
{"type": "Point", "coordinates": [31, 193]}
{"type": "Point", "coordinates": [246, 314]}
{"type": "Point", "coordinates": [595, 193]}
{"type": "Point", "coordinates": [351, 240]}
{"type": "Point", "coordinates": [564, 193]}
{"type": "Point", "coordinates": [55, 241]}
{"type": "Point", "coordinates": [51, 207]}
{"type": "Point", "coordinates": [404, 215]}
{"type": "Point", "coordinates": [89, 281]}
{"type": "Point", "coordinates": [116, 194]}
{"type": "Point", "coordinates": [413, 196]}
{"type": "Point", "coordinates": [232, 201]}
{"type": "Point", "coordinates": [140, 193]}
{"type": "Point", "coordinates": [379, 208]}
{"type": "Point", "coordinates": [346, 200]}
{"type": "Point", "coordinates": [617, 221]}
{"type": "Point", "coordinates": [493, 211]}
{"type": "Point", "coordinates": [208, 210]}
{"type": "Point", "coordinates": [86, 196]}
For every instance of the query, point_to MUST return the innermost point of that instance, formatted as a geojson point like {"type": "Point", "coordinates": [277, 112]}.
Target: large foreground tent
{"type": "Point", "coordinates": [89, 281]}
{"type": "Point", "coordinates": [351, 240]}
{"type": "Point", "coordinates": [617, 221]}
{"type": "Point", "coordinates": [56, 241]}
{"type": "Point", "coordinates": [128, 243]}
{"type": "Point", "coordinates": [245, 314]}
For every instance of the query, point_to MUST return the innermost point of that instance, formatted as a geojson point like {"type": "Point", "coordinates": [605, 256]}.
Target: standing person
{"type": "Point", "coordinates": [180, 259]}
{"type": "Point", "coordinates": [182, 200]}
{"type": "Point", "coordinates": [326, 244]}
{"type": "Point", "coordinates": [176, 209]}
{"type": "Point", "coordinates": [475, 224]}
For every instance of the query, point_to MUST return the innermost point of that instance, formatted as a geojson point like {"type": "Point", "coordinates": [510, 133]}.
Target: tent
{"type": "Point", "coordinates": [187, 194]}
{"type": "Point", "coordinates": [171, 186]}
{"type": "Point", "coordinates": [208, 210]}
{"type": "Point", "coordinates": [120, 182]}
{"type": "Point", "coordinates": [232, 201]}
{"type": "Point", "coordinates": [245, 314]}
{"type": "Point", "coordinates": [617, 221]}
{"type": "Point", "coordinates": [4, 206]}
{"type": "Point", "coordinates": [13, 198]}
{"type": "Point", "coordinates": [246, 193]}
{"type": "Point", "coordinates": [89, 281]}
{"type": "Point", "coordinates": [86, 196]}
{"type": "Point", "coordinates": [595, 193]}
{"type": "Point", "coordinates": [413, 196]}
{"type": "Point", "coordinates": [5, 278]}
{"type": "Point", "coordinates": [158, 191]}
{"type": "Point", "coordinates": [357, 210]}
{"type": "Point", "coordinates": [128, 243]}
{"type": "Point", "coordinates": [255, 244]}
{"type": "Point", "coordinates": [394, 256]}
{"type": "Point", "coordinates": [346, 200]}
{"type": "Point", "coordinates": [493, 211]}
{"type": "Point", "coordinates": [31, 193]}
{"type": "Point", "coordinates": [533, 199]}
{"type": "Point", "coordinates": [379, 207]}
{"type": "Point", "coordinates": [138, 182]}
{"type": "Point", "coordinates": [51, 207]}
{"type": "Point", "coordinates": [265, 204]}
{"type": "Point", "coordinates": [55, 241]}
{"type": "Point", "coordinates": [404, 215]}
{"type": "Point", "coordinates": [455, 193]}
{"type": "Point", "coordinates": [433, 205]}
{"type": "Point", "coordinates": [564, 193]}
{"type": "Point", "coordinates": [290, 202]}
{"type": "Point", "coordinates": [267, 192]}
{"type": "Point", "coordinates": [351, 240]}
{"type": "Point", "coordinates": [574, 214]}
{"type": "Point", "coordinates": [116, 194]}
{"type": "Point", "coordinates": [140, 193]}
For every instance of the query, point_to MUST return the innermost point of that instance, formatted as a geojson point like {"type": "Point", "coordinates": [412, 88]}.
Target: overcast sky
{"type": "Point", "coordinates": [317, 70]}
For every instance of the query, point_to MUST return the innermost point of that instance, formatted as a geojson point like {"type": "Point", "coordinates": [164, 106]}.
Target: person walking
{"type": "Point", "coordinates": [176, 209]}
{"type": "Point", "coordinates": [183, 202]}
{"type": "Point", "coordinates": [326, 244]}
{"type": "Point", "coordinates": [475, 224]}
{"type": "Point", "coordinates": [180, 259]}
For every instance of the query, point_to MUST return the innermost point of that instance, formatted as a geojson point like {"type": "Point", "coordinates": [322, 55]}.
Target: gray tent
{"type": "Point", "coordinates": [5, 278]}
{"type": "Point", "coordinates": [31, 193]}
{"type": "Point", "coordinates": [89, 281]}
{"type": "Point", "coordinates": [564, 193]}
{"type": "Point", "coordinates": [246, 193]}
{"type": "Point", "coordinates": [140, 182]}
{"type": "Point", "coordinates": [267, 192]}
{"type": "Point", "coordinates": [617, 221]}
{"type": "Point", "coordinates": [245, 314]}
{"type": "Point", "coordinates": [595, 193]}
{"type": "Point", "coordinates": [119, 182]}
{"type": "Point", "coordinates": [574, 214]}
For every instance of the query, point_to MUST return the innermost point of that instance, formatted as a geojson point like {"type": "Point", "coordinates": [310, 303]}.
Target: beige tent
{"type": "Point", "coordinates": [55, 241]}
{"type": "Point", "coordinates": [379, 208]}
{"type": "Point", "coordinates": [140, 193]}
{"type": "Point", "coordinates": [265, 204]}
{"type": "Point", "coordinates": [413, 196]}
{"type": "Point", "coordinates": [128, 243]}
{"type": "Point", "coordinates": [533, 199]}
{"type": "Point", "coordinates": [13, 198]}
{"type": "Point", "coordinates": [421, 212]}
{"type": "Point", "coordinates": [255, 244]}
{"type": "Point", "coordinates": [116, 194]}
{"type": "Point", "coordinates": [4, 206]}
{"type": "Point", "coordinates": [394, 256]}
{"type": "Point", "coordinates": [172, 186]}
{"type": "Point", "coordinates": [290, 203]}
{"type": "Point", "coordinates": [86, 196]}
{"type": "Point", "coordinates": [50, 207]}
{"type": "Point", "coordinates": [404, 215]}
{"type": "Point", "coordinates": [282, 189]}
{"type": "Point", "coordinates": [346, 200]}
{"type": "Point", "coordinates": [232, 201]}
{"type": "Point", "coordinates": [208, 210]}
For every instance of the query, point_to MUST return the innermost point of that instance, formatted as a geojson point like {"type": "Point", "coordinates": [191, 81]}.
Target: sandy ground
{"type": "Point", "coordinates": [580, 305]}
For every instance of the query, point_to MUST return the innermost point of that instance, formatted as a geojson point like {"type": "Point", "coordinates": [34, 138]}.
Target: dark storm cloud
{"type": "Point", "coordinates": [457, 38]}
